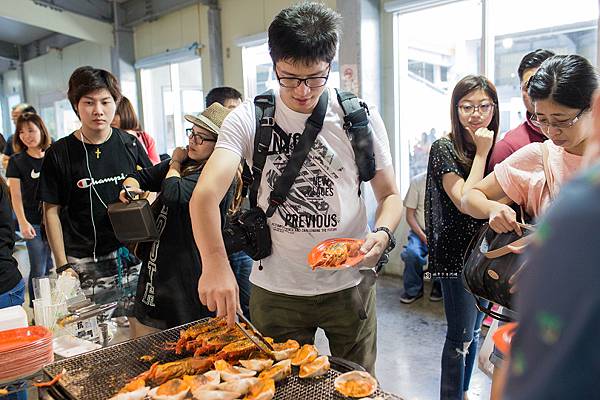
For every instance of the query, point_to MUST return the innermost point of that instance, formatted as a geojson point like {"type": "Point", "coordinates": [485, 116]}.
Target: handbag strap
{"type": "Point", "coordinates": [547, 172]}
{"type": "Point", "coordinates": [518, 244]}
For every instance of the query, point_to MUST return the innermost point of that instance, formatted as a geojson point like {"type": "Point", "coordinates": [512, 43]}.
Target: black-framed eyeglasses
{"type": "Point", "coordinates": [196, 137]}
{"type": "Point", "coordinates": [545, 126]}
{"type": "Point", "coordinates": [312, 82]}
{"type": "Point", "coordinates": [469, 109]}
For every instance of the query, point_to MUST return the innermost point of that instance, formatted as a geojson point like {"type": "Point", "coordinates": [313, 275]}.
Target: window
{"type": "Point", "coordinates": [259, 75]}
{"type": "Point", "coordinates": [570, 30]}
{"type": "Point", "coordinates": [168, 93]}
{"type": "Point", "coordinates": [428, 65]}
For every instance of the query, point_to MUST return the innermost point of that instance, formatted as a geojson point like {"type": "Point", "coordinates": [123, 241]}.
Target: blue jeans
{"type": "Point", "coordinates": [40, 261]}
{"type": "Point", "coordinates": [462, 339]}
{"type": "Point", "coordinates": [414, 256]}
{"type": "Point", "coordinates": [241, 264]}
{"type": "Point", "coordinates": [14, 297]}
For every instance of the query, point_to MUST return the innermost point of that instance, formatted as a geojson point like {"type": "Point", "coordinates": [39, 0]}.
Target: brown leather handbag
{"type": "Point", "coordinates": [133, 222]}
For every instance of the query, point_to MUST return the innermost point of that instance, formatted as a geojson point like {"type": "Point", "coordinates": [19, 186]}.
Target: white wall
{"type": "Point", "coordinates": [47, 76]}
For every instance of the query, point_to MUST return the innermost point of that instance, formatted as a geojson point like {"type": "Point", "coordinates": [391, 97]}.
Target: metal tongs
{"type": "Point", "coordinates": [255, 336]}
{"type": "Point", "coordinates": [85, 312]}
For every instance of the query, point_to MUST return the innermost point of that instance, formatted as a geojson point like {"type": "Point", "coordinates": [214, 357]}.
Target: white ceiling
{"type": "Point", "coordinates": [12, 31]}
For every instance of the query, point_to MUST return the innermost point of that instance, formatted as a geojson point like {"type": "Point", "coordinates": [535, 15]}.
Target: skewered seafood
{"type": "Point", "coordinates": [174, 389]}
{"type": "Point", "coordinates": [277, 372]}
{"type": "Point", "coordinates": [336, 253]}
{"type": "Point", "coordinates": [285, 350]}
{"type": "Point", "coordinates": [263, 390]}
{"type": "Point", "coordinates": [232, 373]}
{"type": "Point", "coordinates": [355, 384]}
{"type": "Point", "coordinates": [318, 367]}
{"type": "Point", "coordinates": [256, 364]}
{"type": "Point", "coordinates": [306, 354]}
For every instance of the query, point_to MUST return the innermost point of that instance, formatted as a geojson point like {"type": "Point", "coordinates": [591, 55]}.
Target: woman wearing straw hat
{"type": "Point", "coordinates": [167, 293]}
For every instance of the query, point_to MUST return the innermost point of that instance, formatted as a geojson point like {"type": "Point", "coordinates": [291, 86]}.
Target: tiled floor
{"type": "Point", "coordinates": [410, 341]}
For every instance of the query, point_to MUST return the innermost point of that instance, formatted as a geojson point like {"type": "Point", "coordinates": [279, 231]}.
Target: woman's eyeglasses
{"type": "Point", "coordinates": [469, 109]}
{"type": "Point", "coordinates": [196, 137]}
{"type": "Point", "coordinates": [545, 126]}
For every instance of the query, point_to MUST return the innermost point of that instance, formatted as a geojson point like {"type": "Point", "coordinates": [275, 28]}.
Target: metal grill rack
{"type": "Point", "coordinates": [99, 374]}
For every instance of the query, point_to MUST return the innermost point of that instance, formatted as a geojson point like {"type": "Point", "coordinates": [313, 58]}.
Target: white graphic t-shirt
{"type": "Point", "coordinates": [323, 203]}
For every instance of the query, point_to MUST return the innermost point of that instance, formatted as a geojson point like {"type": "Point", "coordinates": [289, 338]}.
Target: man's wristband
{"type": "Point", "coordinates": [63, 268]}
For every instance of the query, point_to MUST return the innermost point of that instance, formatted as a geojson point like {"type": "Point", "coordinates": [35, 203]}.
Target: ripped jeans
{"type": "Point", "coordinates": [462, 339]}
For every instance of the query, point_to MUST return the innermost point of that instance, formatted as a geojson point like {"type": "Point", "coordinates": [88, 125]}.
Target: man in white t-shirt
{"type": "Point", "coordinates": [289, 300]}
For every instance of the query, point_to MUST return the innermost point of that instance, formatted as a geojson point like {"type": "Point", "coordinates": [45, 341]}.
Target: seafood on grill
{"type": "Point", "coordinates": [236, 350]}
{"type": "Point", "coordinates": [134, 390]}
{"type": "Point", "coordinates": [277, 372]}
{"type": "Point", "coordinates": [263, 390]}
{"type": "Point", "coordinates": [355, 384]}
{"type": "Point", "coordinates": [207, 329]}
{"type": "Point", "coordinates": [315, 368]}
{"type": "Point", "coordinates": [283, 351]}
{"type": "Point", "coordinates": [336, 253]}
{"type": "Point", "coordinates": [241, 386]}
{"type": "Point", "coordinates": [214, 395]}
{"type": "Point", "coordinates": [174, 389]}
{"type": "Point", "coordinates": [256, 364]}
{"type": "Point", "coordinates": [206, 381]}
{"type": "Point", "coordinates": [231, 373]}
{"type": "Point", "coordinates": [306, 354]}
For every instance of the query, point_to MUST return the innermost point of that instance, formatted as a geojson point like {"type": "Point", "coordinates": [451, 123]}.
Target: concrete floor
{"type": "Point", "coordinates": [410, 341]}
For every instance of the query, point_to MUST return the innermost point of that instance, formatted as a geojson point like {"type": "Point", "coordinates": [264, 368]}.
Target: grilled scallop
{"type": "Point", "coordinates": [137, 394]}
{"type": "Point", "coordinates": [207, 381]}
{"type": "Point", "coordinates": [174, 389]}
{"type": "Point", "coordinates": [231, 373]}
{"type": "Point", "coordinates": [214, 395]}
{"type": "Point", "coordinates": [306, 354]}
{"type": "Point", "coordinates": [286, 350]}
{"type": "Point", "coordinates": [257, 364]}
{"type": "Point", "coordinates": [263, 390]}
{"type": "Point", "coordinates": [318, 367]}
{"type": "Point", "coordinates": [240, 386]}
{"type": "Point", "coordinates": [355, 384]}
{"type": "Point", "coordinates": [277, 372]}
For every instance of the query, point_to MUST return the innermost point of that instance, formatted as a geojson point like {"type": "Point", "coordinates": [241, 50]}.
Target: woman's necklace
{"type": "Point", "coordinates": [97, 152]}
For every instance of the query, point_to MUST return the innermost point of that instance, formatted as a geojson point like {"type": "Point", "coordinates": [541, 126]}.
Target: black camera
{"type": "Point", "coordinates": [248, 231]}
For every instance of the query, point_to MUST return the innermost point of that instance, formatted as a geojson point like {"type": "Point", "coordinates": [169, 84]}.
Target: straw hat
{"type": "Point", "coordinates": [210, 119]}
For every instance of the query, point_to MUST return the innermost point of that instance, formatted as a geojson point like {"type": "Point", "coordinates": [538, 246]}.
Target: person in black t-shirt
{"type": "Point", "coordinates": [167, 293]}
{"type": "Point", "coordinates": [81, 175]}
{"type": "Point", "coordinates": [12, 285]}
{"type": "Point", "coordinates": [31, 141]}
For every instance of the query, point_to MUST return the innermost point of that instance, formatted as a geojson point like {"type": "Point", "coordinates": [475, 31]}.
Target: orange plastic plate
{"type": "Point", "coordinates": [317, 251]}
{"type": "Point", "coordinates": [13, 339]}
{"type": "Point", "coordinates": [503, 337]}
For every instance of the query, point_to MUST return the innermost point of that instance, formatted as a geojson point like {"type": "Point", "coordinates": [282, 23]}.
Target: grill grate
{"type": "Point", "coordinates": [101, 373]}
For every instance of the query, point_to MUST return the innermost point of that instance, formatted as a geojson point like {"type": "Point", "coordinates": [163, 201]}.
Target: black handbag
{"type": "Point", "coordinates": [492, 262]}
{"type": "Point", "coordinates": [489, 264]}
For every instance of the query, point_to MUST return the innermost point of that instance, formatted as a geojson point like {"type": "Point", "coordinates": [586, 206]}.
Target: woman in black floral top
{"type": "Point", "coordinates": [456, 164]}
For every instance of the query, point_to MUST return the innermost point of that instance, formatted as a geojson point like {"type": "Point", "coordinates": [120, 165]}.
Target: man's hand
{"type": "Point", "coordinates": [132, 190]}
{"type": "Point", "coordinates": [27, 230]}
{"type": "Point", "coordinates": [218, 290]}
{"type": "Point", "coordinates": [373, 247]}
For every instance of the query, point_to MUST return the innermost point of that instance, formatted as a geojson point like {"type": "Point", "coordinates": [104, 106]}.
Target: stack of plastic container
{"type": "Point", "coordinates": [24, 351]}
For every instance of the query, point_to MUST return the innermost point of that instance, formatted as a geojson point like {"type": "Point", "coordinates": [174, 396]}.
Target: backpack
{"type": "Point", "coordinates": [356, 125]}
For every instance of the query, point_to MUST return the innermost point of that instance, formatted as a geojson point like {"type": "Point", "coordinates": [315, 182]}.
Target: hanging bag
{"type": "Point", "coordinates": [492, 262]}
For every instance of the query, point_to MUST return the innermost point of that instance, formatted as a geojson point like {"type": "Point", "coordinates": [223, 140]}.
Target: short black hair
{"type": "Point", "coordinates": [533, 60]}
{"type": "Point", "coordinates": [220, 94]}
{"type": "Point", "coordinates": [569, 80]}
{"type": "Point", "coordinates": [307, 32]}
{"type": "Point", "coordinates": [85, 80]}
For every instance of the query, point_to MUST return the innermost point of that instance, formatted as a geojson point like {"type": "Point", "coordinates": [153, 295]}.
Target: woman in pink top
{"type": "Point", "coordinates": [561, 91]}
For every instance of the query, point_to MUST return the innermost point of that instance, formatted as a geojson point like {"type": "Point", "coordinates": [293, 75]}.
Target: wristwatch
{"type": "Point", "coordinates": [391, 237]}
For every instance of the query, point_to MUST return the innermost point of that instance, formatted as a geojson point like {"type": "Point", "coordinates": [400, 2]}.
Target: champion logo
{"type": "Point", "coordinates": [87, 182]}
{"type": "Point", "coordinates": [34, 174]}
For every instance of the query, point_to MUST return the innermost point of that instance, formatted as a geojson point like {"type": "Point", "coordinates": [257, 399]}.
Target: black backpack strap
{"type": "Point", "coordinates": [246, 178]}
{"type": "Point", "coordinates": [264, 106]}
{"type": "Point", "coordinates": [356, 125]}
{"type": "Point", "coordinates": [313, 126]}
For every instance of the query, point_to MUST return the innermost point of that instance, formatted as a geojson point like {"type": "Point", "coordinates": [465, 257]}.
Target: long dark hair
{"type": "Point", "coordinates": [569, 80]}
{"type": "Point", "coordinates": [464, 148]}
{"type": "Point", "coordinates": [45, 139]}
{"type": "Point", "coordinates": [129, 121]}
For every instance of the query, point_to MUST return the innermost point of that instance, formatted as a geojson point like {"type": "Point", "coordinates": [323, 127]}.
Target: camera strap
{"type": "Point", "coordinates": [313, 126]}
